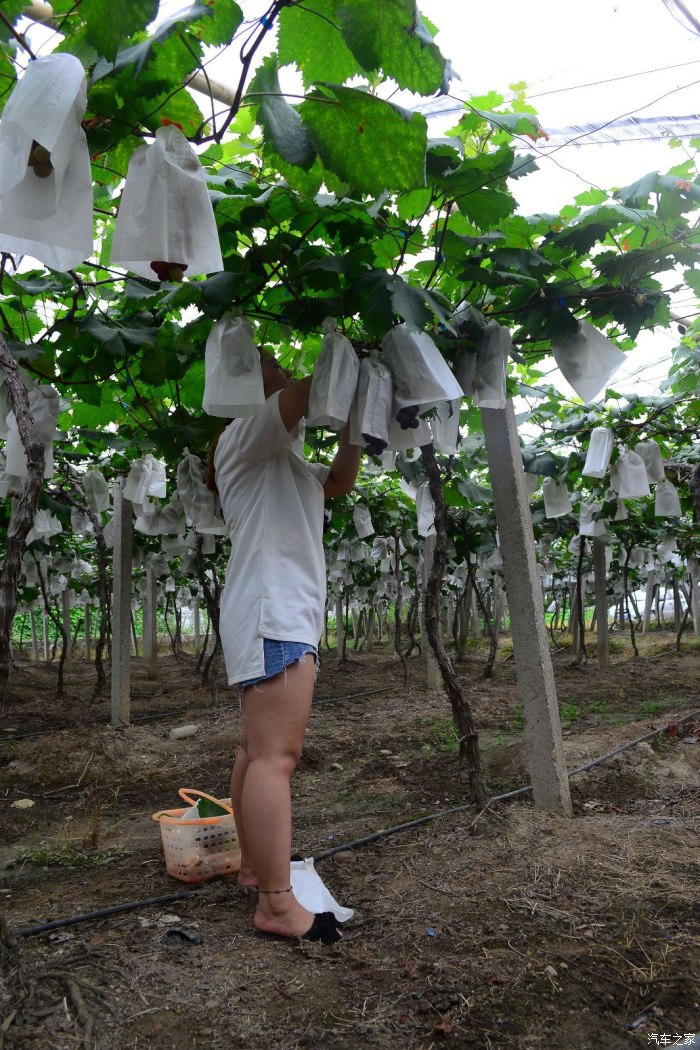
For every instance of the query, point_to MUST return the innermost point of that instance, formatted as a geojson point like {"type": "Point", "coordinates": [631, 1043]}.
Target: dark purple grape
{"type": "Point", "coordinates": [373, 446]}
{"type": "Point", "coordinates": [406, 417]}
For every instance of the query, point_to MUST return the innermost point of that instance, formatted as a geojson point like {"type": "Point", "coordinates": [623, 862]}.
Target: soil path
{"type": "Point", "coordinates": [510, 928]}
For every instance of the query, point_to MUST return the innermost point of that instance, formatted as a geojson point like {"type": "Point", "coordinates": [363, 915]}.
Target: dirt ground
{"type": "Point", "coordinates": [511, 927]}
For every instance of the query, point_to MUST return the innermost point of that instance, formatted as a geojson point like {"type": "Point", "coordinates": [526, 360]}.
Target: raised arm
{"type": "Point", "coordinates": [344, 468]}
{"type": "Point", "coordinates": [294, 402]}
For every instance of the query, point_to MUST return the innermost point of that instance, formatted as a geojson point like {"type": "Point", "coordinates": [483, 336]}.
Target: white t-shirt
{"type": "Point", "coordinates": [272, 501]}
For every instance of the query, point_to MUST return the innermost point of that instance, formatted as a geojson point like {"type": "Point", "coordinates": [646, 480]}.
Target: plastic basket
{"type": "Point", "coordinates": [199, 849]}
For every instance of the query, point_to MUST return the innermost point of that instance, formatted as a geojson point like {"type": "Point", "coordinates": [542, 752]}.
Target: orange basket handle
{"type": "Point", "coordinates": [186, 795]}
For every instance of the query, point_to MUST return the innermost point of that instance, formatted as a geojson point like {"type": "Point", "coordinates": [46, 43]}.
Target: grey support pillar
{"type": "Point", "coordinates": [35, 637]}
{"type": "Point", "coordinates": [677, 613]}
{"type": "Point", "coordinates": [601, 604]}
{"type": "Point", "coordinates": [694, 580]}
{"type": "Point", "coordinates": [475, 616]}
{"type": "Point", "coordinates": [339, 627]}
{"type": "Point", "coordinates": [150, 634]}
{"type": "Point", "coordinates": [197, 626]}
{"type": "Point", "coordinates": [121, 607]}
{"type": "Point", "coordinates": [548, 774]}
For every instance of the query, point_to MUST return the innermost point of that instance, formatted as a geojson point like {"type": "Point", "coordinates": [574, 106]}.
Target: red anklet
{"type": "Point", "coordinates": [288, 890]}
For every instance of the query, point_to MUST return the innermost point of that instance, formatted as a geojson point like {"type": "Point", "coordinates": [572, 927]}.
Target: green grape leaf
{"type": "Point", "coordinates": [281, 122]}
{"type": "Point", "coordinates": [127, 17]}
{"type": "Point", "coordinates": [388, 35]}
{"type": "Point", "coordinates": [310, 36]}
{"type": "Point", "coordinates": [367, 142]}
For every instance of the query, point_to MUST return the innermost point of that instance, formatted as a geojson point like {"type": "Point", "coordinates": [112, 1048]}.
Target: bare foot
{"type": "Point", "coordinates": [287, 918]}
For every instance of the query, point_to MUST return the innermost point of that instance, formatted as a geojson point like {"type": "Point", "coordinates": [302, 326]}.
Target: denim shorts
{"type": "Point", "coordinates": [278, 657]}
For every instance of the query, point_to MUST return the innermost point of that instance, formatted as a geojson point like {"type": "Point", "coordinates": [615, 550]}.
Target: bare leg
{"type": "Point", "coordinates": [276, 713]}
{"type": "Point", "coordinates": [246, 876]}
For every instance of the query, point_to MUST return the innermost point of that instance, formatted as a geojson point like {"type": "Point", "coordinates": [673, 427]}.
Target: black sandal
{"type": "Point", "coordinates": [324, 929]}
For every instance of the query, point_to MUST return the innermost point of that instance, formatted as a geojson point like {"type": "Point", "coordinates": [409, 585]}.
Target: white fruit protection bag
{"type": "Point", "coordinates": [599, 451]}
{"type": "Point", "coordinates": [667, 502]}
{"type": "Point", "coordinates": [425, 510]}
{"type": "Point", "coordinates": [362, 520]}
{"type": "Point", "coordinates": [49, 219]}
{"type": "Point", "coordinates": [628, 476]}
{"type": "Point", "coordinates": [198, 501]}
{"type": "Point", "coordinates": [146, 478]}
{"type": "Point", "coordinates": [5, 407]}
{"type": "Point", "coordinates": [556, 499]}
{"type": "Point", "coordinates": [334, 380]}
{"type": "Point", "coordinates": [233, 382]}
{"type": "Point", "coordinates": [421, 374]}
{"type": "Point", "coordinates": [651, 454]}
{"type": "Point", "coordinates": [165, 212]}
{"type": "Point", "coordinates": [96, 491]}
{"type": "Point", "coordinates": [161, 521]}
{"type": "Point", "coordinates": [464, 370]}
{"type": "Point", "coordinates": [492, 355]}
{"type": "Point", "coordinates": [45, 526]}
{"type": "Point", "coordinates": [588, 526]}
{"type": "Point", "coordinates": [588, 360]}
{"type": "Point", "coordinates": [444, 427]}
{"type": "Point", "coordinates": [44, 404]}
{"type": "Point", "coordinates": [370, 414]}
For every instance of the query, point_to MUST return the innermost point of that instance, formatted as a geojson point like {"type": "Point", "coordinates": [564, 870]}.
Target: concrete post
{"type": "Point", "coordinates": [121, 607]}
{"type": "Point", "coordinates": [339, 627]}
{"type": "Point", "coordinates": [434, 679]}
{"type": "Point", "coordinates": [648, 600]}
{"type": "Point", "coordinates": [548, 774]}
{"type": "Point", "coordinates": [677, 614]}
{"type": "Point", "coordinates": [35, 637]}
{"type": "Point", "coordinates": [601, 604]}
{"type": "Point", "coordinates": [476, 616]}
{"type": "Point", "coordinates": [65, 611]}
{"type": "Point", "coordinates": [694, 588]}
{"type": "Point", "coordinates": [150, 636]}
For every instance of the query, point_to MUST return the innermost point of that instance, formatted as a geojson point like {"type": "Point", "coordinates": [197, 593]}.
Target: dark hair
{"type": "Point", "coordinates": [211, 473]}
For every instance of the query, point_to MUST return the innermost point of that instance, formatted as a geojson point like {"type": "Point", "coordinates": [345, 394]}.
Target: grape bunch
{"type": "Point", "coordinates": [407, 417]}
{"type": "Point", "coordinates": [169, 271]}
{"type": "Point", "coordinates": [373, 446]}
{"type": "Point", "coordinates": [40, 160]}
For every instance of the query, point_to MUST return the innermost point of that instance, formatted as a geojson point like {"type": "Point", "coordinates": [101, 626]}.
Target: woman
{"type": "Point", "coordinates": [271, 621]}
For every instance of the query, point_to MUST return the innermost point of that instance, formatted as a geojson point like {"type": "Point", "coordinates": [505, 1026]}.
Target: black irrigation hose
{"type": "Point", "coordinates": [30, 931]}
{"type": "Point", "coordinates": [349, 696]}
{"type": "Point", "coordinates": [494, 798]}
